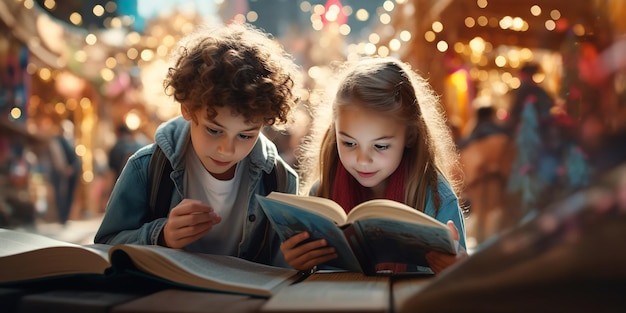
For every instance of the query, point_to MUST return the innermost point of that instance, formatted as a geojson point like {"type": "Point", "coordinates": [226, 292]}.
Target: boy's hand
{"type": "Point", "coordinates": [187, 222]}
{"type": "Point", "coordinates": [440, 261]}
{"type": "Point", "coordinates": [305, 256]}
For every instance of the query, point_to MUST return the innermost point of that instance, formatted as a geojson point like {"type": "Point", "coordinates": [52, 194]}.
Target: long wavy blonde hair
{"type": "Point", "coordinates": [387, 86]}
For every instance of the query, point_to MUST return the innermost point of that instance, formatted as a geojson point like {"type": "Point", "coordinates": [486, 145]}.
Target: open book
{"type": "Point", "coordinates": [377, 236]}
{"type": "Point", "coordinates": [26, 256]}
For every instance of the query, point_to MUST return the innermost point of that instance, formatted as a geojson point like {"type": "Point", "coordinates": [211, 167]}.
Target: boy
{"type": "Point", "coordinates": [230, 81]}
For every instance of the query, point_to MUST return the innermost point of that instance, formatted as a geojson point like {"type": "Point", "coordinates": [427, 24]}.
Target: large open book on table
{"type": "Point", "coordinates": [27, 257]}
{"type": "Point", "coordinates": [377, 236]}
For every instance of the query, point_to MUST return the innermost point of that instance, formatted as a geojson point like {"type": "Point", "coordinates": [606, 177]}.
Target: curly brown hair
{"type": "Point", "coordinates": [236, 66]}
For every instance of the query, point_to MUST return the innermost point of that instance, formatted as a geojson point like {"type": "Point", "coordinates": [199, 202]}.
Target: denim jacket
{"type": "Point", "coordinates": [127, 209]}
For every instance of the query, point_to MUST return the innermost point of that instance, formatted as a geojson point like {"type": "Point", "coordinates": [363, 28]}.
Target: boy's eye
{"type": "Point", "coordinates": [381, 147]}
{"type": "Point", "coordinates": [245, 137]}
{"type": "Point", "coordinates": [213, 131]}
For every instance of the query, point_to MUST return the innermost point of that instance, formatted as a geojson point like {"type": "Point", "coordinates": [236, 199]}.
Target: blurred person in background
{"type": "Point", "coordinates": [65, 169]}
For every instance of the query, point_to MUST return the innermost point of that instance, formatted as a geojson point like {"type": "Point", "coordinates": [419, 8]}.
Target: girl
{"type": "Point", "coordinates": [387, 139]}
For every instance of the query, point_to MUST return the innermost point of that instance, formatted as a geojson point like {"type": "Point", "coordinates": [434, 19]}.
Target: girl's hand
{"type": "Point", "coordinates": [440, 261]}
{"type": "Point", "coordinates": [305, 256]}
{"type": "Point", "coordinates": [187, 222]}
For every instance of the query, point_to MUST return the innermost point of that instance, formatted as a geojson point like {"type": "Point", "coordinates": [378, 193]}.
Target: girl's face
{"type": "Point", "coordinates": [370, 145]}
{"type": "Point", "coordinates": [221, 142]}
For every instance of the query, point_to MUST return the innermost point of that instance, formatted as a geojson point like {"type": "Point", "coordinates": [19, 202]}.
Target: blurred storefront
{"type": "Point", "coordinates": [58, 67]}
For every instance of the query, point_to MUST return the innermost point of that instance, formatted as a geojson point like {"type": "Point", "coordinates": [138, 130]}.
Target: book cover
{"type": "Point", "coordinates": [382, 232]}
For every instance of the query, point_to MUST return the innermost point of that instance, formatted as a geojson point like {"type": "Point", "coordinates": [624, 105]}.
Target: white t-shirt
{"type": "Point", "coordinates": [221, 195]}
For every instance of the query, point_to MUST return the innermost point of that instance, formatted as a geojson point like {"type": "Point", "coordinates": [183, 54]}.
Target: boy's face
{"type": "Point", "coordinates": [221, 142]}
{"type": "Point", "coordinates": [370, 145]}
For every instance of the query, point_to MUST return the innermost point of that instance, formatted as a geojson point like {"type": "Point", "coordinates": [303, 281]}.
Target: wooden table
{"type": "Point", "coordinates": [322, 292]}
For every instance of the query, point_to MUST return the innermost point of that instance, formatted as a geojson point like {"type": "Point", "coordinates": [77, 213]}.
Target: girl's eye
{"type": "Point", "coordinates": [381, 147]}
{"type": "Point", "coordinates": [348, 144]}
{"type": "Point", "coordinates": [213, 131]}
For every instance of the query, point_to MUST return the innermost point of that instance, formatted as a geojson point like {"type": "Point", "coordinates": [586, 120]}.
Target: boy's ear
{"type": "Point", "coordinates": [186, 113]}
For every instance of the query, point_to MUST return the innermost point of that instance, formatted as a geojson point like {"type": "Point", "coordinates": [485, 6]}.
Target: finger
{"type": "Point", "coordinates": [189, 206]}
{"type": "Point", "coordinates": [295, 240]}
{"type": "Point", "coordinates": [181, 221]}
{"type": "Point", "coordinates": [453, 230]}
{"type": "Point", "coordinates": [313, 258]}
{"type": "Point", "coordinates": [178, 238]}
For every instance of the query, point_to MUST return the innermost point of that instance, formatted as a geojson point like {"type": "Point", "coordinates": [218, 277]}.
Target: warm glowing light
{"type": "Point", "coordinates": [506, 22]}
{"type": "Point", "coordinates": [518, 23]}
{"type": "Point", "coordinates": [80, 56]}
{"type": "Point", "coordinates": [91, 39]}
{"type": "Point", "coordinates": [482, 20]}
{"type": "Point", "coordinates": [80, 150]}
{"type": "Point", "coordinates": [45, 74]}
{"type": "Point", "coordinates": [405, 35]}
{"type": "Point", "coordinates": [76, 19]}
{"type": "Point", "coordinates": [88, 176]}
{"type": "Point", "coordinates": [579, 29]}
{"type": "Point", "coordinates": [49, 4]}
{"type": "Point", "coordinates": [388, 6]}
{"type": "Point", "coordinates": [385, 18]}
{"type": "Point", "coordinates": [477, 44]}
{"type": "Point", "coordinates": [383, 51]}
{"type": "Point", "coordinates": [374, 38]}
{"type": "Point", "coordinates": [252, 16]}
{"type": "Point", "coordinates": [429, 36]}
{"type": "Point", "coordinates": [394, 44]}
{"type": "Point", "coordinates": [535, 10]}
{"type": "Point", "coordinates": [98, 10]}
{"type": "Point", "coordinates": [442, 46]}
{"type": "Point", "coordinates": [470, 22]}
{"type": "Point", "coordinates": [107, 74]}
{"type": "Point", "coordinates": [132, 120]}
{"type": "Point", "coordinates": [59, 108]}
{"type": "Point", "coordinates": [133, 38]}
{"type": "Point", "coordinates": [305, 6]}
{"type": "Point", "coordinates": [16, 113]}
{"type": "Point", "coordinates": [345, 29]}
{"type": "Point", "coordinates": [116, 22]}
{"type": "Point", "coordinates": [437, 27]}
{"type": "Point", "coordinates": [481, 3]}
{"type": "Point", "coordinates": [132, 53]}
{"type": "Point", "coordinates": [147, 55]}
{"type": "Point", "coordinates": [369, 49]}
{"type": "Point", "coordinates": [459, 47]}
{"type": "Point", "coordinates": [362, 15]}
{"type": "Point", "coordinates": [550, 25]}
{"type": "Point", "coordinates": [555, 14]}
{"type": "Point", "coordinates": [333, 13]}
{"type": "Point", "coordinates": [85, 103]}
{"type": "Point", "coordinates": [500, 61]}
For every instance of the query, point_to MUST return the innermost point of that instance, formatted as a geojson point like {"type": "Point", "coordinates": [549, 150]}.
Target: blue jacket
{"type": "Point", "coordinates": [127, 209]}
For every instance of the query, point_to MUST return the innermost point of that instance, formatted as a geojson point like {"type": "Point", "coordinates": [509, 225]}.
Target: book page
{"type": "Point", "coordinates": [385, 208]}
{"type": "Point", "coordinates": [25, 256]}
{"type": "Point", "coordinates": [326, 207]}
{"type": "Point", "coordinates": [288, 220]}
{"type": "Point", "coordinates": [215, 272]}
{"type": "Point", "coordinates": [333, 292]}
